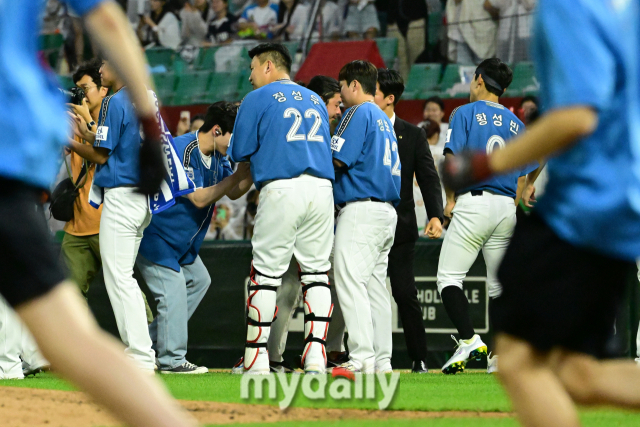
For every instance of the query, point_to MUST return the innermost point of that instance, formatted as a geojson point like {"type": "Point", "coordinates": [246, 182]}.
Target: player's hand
{"type": "Point", "coordinates": [152, 167]}
{"type": "Point", "coordinates": [529, 195]}
{"type": "Point", "coordinates": [465, 169]}
{"type": "Point", "coordinates": [448, 209]}
{"type": "Point", "coordinates": [433, 229]}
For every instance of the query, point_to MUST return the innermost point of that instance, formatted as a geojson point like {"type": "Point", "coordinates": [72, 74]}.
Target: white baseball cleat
{"type": "Point", "coordinates": [472, 348]}
{"type": "Point", "coordinates": [638, 360]}
{"type": "Point", "coordinates": [492, 364]}
{"type": "Point", "coordinates": [238, 368]}
{"type": "Point", "coordinates": [314, 369]}
{"type": "Point", "coordinates": [260, 364]}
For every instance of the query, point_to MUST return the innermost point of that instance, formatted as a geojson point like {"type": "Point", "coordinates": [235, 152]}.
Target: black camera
{"type": "Point", "coordinates": [75, 95]}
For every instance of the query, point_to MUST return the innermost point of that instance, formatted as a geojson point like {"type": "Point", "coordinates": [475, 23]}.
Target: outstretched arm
{"type": "Point", "coordinates": [553, 132]}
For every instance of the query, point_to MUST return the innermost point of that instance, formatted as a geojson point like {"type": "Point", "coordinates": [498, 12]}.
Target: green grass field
{"type": "Point", "coordinates": [471, 391]}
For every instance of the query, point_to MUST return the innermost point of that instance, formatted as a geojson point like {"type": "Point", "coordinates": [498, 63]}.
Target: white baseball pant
{"type": "Point", "coordinates": [364, 236]}
{"type": "Point", "coordinates": [125, 215]}
{"type": "Point", "coordinates": [479, 222]}
{"type": "Point", "coordinates": [10, 343]}
{"type": "Point", "coordinates": [294, 217]}
{"type": "Point", "coordinates": [16, 341]}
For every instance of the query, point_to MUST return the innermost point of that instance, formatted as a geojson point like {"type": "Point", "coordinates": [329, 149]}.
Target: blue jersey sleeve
{"type": "Point", "coordinates": [109, 124]}
{"type": "Point", "coordinates": [567, 75]}
{"type": "Point", "coordinates": [347, 143]}
{"type": "Point", "coordinates": [458, 132]}
{"type": "Point", "coordinates": [82, 7]}
{"type": "Point", "coordinates": [244, 141]}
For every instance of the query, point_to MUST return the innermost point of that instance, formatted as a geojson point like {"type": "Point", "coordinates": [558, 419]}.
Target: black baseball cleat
{"type": "Point", "coordinates": [419, 367]}
{"type": "Point", "coordinates": [335, 359]}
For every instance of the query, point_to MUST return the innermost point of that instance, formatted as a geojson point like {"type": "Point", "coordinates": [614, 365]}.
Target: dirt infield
{"type": "Point", "coordinates": [25, 407]}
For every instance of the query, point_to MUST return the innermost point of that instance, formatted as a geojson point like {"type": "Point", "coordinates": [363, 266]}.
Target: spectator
{"type": "Point", "coordinates": [528, 109]}
{"type": "Point", "coordinates": [223, 26]}
{"type": "Point", "coordinates": [331, 22]}
{"type": "Point", "coordinates": [160, 27]}
{"type": "Point", "coordinates": [362, 19]}
{"type": "Point", "coordinates": [196, 122]}
{"type": "Point", "coordinates": [432, 130]}
{"type": "Point", "coordinates": [433, 111]}
{"type": "Point", "coordinates": [195, 16]}
{"type": "Point", "coordinates": [514, 27]}
{"type": "Point", "coordinates": [292, 19]}
{"type": "Point", "coordinates": [184, 124]}
{"type": "Point", "coordinates": [471, 32]}
{"type": "Point", "coordinates": [257, 20]}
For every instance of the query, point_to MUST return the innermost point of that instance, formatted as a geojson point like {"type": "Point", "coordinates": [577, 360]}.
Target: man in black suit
{"type": "Point", "coordinates": [415, 157]}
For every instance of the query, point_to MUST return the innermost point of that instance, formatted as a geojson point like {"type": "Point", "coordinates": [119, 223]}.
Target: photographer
{"type": "Point", "coordinates": [81, 245]}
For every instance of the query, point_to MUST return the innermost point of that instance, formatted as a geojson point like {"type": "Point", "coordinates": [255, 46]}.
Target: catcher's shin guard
{"type": "Point", "coordinates": [261, 312]}
{"type": "Point", "coordinates": [317, 315]}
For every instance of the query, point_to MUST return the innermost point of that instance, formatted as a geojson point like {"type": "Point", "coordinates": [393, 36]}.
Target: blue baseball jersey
{"type": "Point", "coordinates": [174, 236]}
{"type": "Point", "coordinates": [587, 53]}
{"type": "Point", "coordinates": [119, 132]}
{"type": "Point", "coordinates": [33, 121]}
{"type": "Point", "coordinates": [366, 143]}
{"type": "Point", "coordinates": [283, 129]}
{"type": "Point", "coordinates": [486, 126]}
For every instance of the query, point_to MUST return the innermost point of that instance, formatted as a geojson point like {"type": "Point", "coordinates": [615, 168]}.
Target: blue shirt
{"type": "Point", "coordinates": [366, 143]}
{"type": "Point", "coordinates": [119, 132]}
{"type": "Point", "coordinates": [486, 126]}
{"type": "Point", "coordinates": [175, 235]}
{"type": "Point", "coordinates": [33, 121]}
{"type": "Point", "coordinates": [283, 129]}
{"type": "Point", "coordinates": [587, 54]}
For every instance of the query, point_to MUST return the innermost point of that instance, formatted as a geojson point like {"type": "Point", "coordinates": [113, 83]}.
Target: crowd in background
{"type": "Point", "coordinates": [459, 31]}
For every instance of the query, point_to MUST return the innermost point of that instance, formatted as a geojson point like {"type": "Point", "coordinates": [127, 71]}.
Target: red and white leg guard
{"type": "Point", "coordinates": [317, 315]}
{"type": "Point", "coordinates": [261, 312]}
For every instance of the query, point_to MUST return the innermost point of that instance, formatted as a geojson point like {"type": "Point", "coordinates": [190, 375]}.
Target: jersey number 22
{"type": "Point", "coordinates": [293, 134]}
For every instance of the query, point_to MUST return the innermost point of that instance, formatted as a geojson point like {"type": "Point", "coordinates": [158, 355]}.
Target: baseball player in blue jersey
{"type": "Point", "coordinates": [125, 212]}
{"type": "Point", "coordinates": [365, 153]}
{"type": "Point", "coordinates": [32, 279]}
{"type": "Point", "coordinates": [282, 129]}
{"type": "Point", "coordinates": [565, 272]}
{"type": "Point", "coordinates": [483, 215]}
{"type": "Point", "coordinates": [168, 257]}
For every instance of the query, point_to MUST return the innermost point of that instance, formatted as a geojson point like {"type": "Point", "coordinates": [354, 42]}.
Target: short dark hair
{"type": "Point", "coordinates": [198, 117]}
{"type": "Point", "coordinates": [362, 71]}
{"type": "Point", "coordinates": [435, 100]}
{"type": "Point", "coordinates": [531, 98]}
{"type": "Point", "coordinates": [275, 52]}
{"type": "Point", "coordinates": [324, 86]}
{"type": "Point", "coordinates": [221, 113]}
{"type": "Point", "coordinates": [391, 83]}
{"type": "Point", "coordinates": [496, 74]}
{"type": "Point", "coordinates": [89, 68]}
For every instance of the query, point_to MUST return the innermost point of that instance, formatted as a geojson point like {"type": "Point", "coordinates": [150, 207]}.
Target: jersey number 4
{"type": "Point", "coordinates": [293, 134]}
{"type": "Point", "coordinates": [389, 147]}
